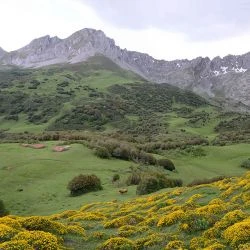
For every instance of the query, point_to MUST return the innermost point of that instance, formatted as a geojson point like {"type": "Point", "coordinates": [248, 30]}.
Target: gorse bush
{"type": "Point", "coordinates": [83, 184]}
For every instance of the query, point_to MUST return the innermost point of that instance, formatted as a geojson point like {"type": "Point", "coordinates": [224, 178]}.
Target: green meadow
{"type": "Point", "coordinates": [43, 175]}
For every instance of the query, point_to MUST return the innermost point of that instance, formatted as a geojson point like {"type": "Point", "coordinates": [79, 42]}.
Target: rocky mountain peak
{"type": "Point", "coordinates": [2, 52]}
{"type": "Point", "coordinates": [41, 43]}
{"type": "Point", "coordinates": [227, 77]}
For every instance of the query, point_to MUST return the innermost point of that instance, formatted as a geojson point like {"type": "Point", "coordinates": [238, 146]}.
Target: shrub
{"type": "Point", "coordinates": [102, 153]}
{"type": "Point", "coordinates": [122, 152]}
{"type": "Point", "coordinates": [238, 233]}
{"type": "Point", "coordinates": [16, 245]}
{"type": "Point", "coordinates": [3, 210]}
{"type": "Point", "coordinates": [246, 164]}
{"type": "Point", "coordinates": [167, 164]}
{"type": "Point", "coordinates": [116, 177]}
{"type": "Point", "coordinates": [205, 181]}
{"type": "Point", "coordinates": [117, 243]}
{"type": "Point", "coordinates": [133, 179]}
{"type": "Point", "coordinates": [148, 185]}
{"type": "Point", "coordinates": [39, 240]}
{"type": "Point", "coordinates": [153, 182]}
{"type": "Point", "coordinates": [84, 183]}
{"type": "Point", "coordinates": [6, 232]}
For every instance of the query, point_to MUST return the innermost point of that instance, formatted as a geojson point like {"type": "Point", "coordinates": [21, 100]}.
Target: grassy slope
{"type": "Point", "coordinates": [43, 174]}
{"type": "Point", "coordinates": [212, 216]}
{"type": "Point", "coordinates": [96, 74]}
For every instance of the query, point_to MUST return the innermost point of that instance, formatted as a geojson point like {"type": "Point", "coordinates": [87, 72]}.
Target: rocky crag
{"type": "Point", "coordinates": [226, 80]}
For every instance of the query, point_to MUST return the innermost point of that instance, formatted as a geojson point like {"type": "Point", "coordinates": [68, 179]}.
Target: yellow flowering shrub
{"type": "Point", "coordinates": [129, 230]}
{"type": "Point", "coordinates": [244, 246]}
{"type": "Point", "coordinates": [39, 240]}
{"type": "Point", "coordinates": [76, 229]}
{"type": "Point", "coordinates": [6, 232]}
{"type": "Point", "coordinates": [211, 209]}
{"type": "Point", "coordinates": [99, 235]}
{"type": "Point", "coordinates": [117, 243]}
{"type": "Point", "coordinates": [193, 222]}
{"type": "Point", "coordinates": [87, 216]}
{"type": "Point", "coordinates": [43, 224]}
{"type": "Point", "coordinates": [16, 245]}
{"type": "Point", "coordinates": [197, 243]}
{"type": "Point", "coordinates": [238, 233]}
{"type": "Point", "coordinates": [131, 219]}
{"type": "Point", "coordinates": [215, 246]}
{"type": "Point", "coordinates": [175, 244]}
{"type": "Point", "coordinates": [184, 227]}
{"type": "Point", "coordinates": [149, 221]}
{"type": "Point", "coordinates": [64, 215]}
{"type": "Point", "coordinates": [6, 220]}
{"type": "Point", "coordinates": [194, 198]}
{"type": "Point", "coordinates": [151, 240]}
{"type": "Point", "coordinates": [171, 218]}
{"type": "Point", "coordinates": [228, 192]}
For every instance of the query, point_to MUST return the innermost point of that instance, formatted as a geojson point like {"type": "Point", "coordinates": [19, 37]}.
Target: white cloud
{"type": "Point", "coordinates": [22, 21]}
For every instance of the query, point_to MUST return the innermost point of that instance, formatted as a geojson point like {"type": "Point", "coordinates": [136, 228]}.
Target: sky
{"type": "Point", "coordinates": [164, 29]}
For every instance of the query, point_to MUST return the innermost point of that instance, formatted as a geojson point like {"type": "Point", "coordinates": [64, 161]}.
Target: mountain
{"type": "Point", "coordinates": [226, 79]}
{"type": "Point", "coordinates": [2, 52]}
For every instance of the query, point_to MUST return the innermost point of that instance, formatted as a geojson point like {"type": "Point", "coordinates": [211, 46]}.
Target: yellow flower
{"type": "Point", "coordinates": [39, 240]}
{"type": "Point", "coordinates": [117, 243]}
{"type": "Point", "coordinates": [175, 244]}
{"type": "Point", "coordinates": [6, 232]}
{"type": "Point", "coordinates": [171, 218]}
{"type": "Point", "coordinates": [16, 245]}
{"type": "Point", "coordinates": [238, 233]}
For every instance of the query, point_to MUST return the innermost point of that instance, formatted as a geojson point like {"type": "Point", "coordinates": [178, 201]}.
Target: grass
{"type": "Point", "coordinates": [43, 175]}
{"type": "Point", "coordinates": [218, 161]}
{"type": "Point", "coordinates": [213, 216]}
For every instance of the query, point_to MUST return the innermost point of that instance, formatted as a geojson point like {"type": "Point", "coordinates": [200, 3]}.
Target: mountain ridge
{"type": "Point", "coordinates": [225, 79]}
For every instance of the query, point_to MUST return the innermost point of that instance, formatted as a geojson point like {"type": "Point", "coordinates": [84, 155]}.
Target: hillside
{"type": "Point", "coordinates": [209, 216]}
{"type": "Point", "coordinates": [136, 137]}
{"type": "Point", "coordinates": [224, 79]}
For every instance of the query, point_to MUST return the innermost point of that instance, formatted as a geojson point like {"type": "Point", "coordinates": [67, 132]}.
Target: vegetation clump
{"type": "Point", "coordinates": [167, 164]}
{"type": "Point", "coordinates": [3, 210]}
{"type": "Point", "coordinates": [82, 184]}
{"type": "Point", "coordinates": [154, 182]}
{"type": "Point", "coordinates": [246, 164]}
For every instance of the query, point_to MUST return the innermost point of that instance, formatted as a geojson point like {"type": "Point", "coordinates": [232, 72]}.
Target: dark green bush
{"type": "Point", "coordinates": [3, 210]}
{"type": "Point", "coordinates": [133, 179]}
{"type": "Point", "coordinates": [83, 184]}
{"type": "Point", "coordinates": [102, 153]}
{"type": "Point", "coordinates": [116, 177]}
{"type": "Point", "coordinates": [122, 152]}
{"type": "Point", "coordinates": [167, 164]}
{"type": "Point", "coordinates": [246, 164]}
{"type": "Point", "coordinates": [155, 181]}
{"type": "Point", "coordinates": [148, 185]}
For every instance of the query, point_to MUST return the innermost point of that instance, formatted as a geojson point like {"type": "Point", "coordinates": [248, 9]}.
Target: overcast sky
{"type": "Point", "coordinates": [165, 29]}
